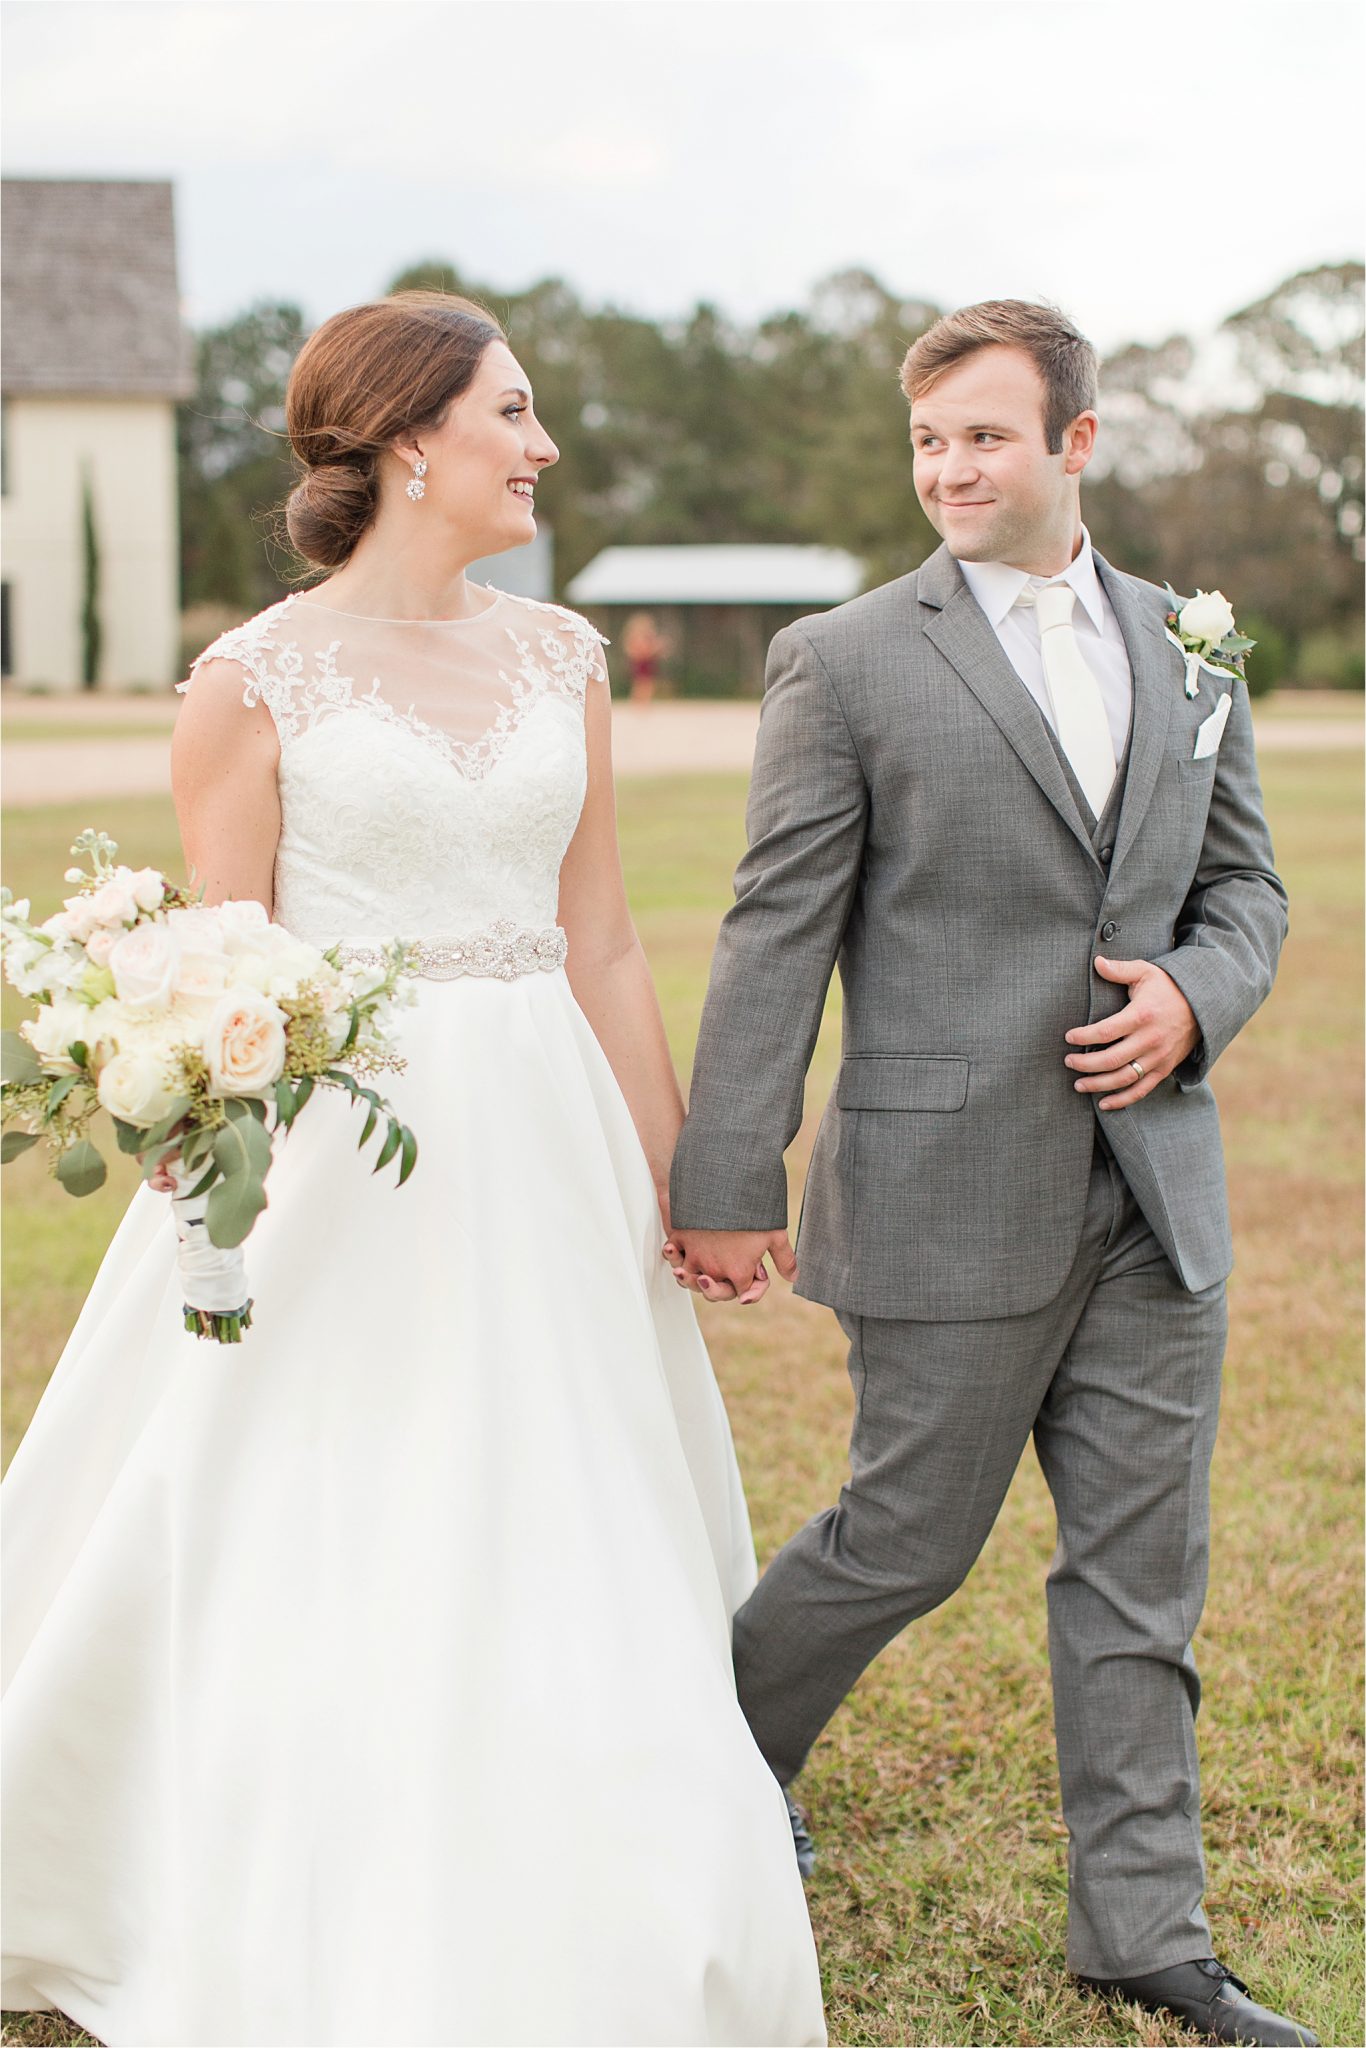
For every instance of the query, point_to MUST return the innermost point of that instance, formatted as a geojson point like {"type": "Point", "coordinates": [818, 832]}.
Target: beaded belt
{"type": "Point", "coordinates": [504, 950]}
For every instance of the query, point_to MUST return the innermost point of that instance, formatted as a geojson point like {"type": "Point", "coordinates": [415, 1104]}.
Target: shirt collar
{"type": "Point", "coordinates": [995, 585]}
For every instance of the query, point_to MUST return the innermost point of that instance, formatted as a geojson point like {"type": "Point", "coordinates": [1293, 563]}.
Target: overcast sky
{"type": "Point", "coordinates": [1151, 166]}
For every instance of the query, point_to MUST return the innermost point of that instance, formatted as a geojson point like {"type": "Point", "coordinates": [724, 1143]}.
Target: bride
{"type": "Point", "coordinates": [371, 1682]}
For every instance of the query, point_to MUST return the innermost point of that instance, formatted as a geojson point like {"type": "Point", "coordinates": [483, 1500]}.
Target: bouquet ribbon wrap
{"type": "Point", "coordinates": [213, 1277]}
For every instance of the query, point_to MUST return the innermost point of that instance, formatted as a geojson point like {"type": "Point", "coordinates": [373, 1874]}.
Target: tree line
{"type": "Point", "coordinates": [1232, 461]}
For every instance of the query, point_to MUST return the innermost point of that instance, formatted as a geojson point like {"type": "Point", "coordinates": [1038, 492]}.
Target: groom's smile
{"type": "Point", "coordinates": [988, 482]}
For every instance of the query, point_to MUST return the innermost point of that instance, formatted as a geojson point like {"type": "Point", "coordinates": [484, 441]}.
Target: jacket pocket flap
{"type": "Point", "coordinates": [902, 1081]}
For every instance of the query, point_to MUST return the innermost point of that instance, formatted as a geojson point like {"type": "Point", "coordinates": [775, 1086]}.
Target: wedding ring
{"type": "Point", "coordinates": [1137, 1069]}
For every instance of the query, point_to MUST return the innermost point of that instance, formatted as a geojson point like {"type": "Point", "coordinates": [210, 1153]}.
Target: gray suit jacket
{"type": "Point", "coordinates": [910, 817]}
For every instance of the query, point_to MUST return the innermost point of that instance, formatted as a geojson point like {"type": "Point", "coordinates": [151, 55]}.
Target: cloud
{"type": "Point", "coordinates": [656, 153]}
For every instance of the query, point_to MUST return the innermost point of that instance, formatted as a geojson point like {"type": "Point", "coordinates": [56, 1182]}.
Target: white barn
{"type": "Point", "coordinates": [95, 358]}
{"type": "Point", "coordinates": [718, 605]}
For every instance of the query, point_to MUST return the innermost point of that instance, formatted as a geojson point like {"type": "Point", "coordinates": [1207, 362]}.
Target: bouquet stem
{"type": "Point", "coordinates": [217, 1305]}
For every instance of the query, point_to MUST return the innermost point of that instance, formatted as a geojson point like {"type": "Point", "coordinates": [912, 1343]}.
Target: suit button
{"type": "Point", "coordinates": [1109, 930]}
{"type": "Point", "coordinates": [1107, 855]}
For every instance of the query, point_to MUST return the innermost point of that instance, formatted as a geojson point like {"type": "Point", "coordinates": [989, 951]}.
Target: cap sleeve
{"type": "Point", "coordinates": [269, 666]}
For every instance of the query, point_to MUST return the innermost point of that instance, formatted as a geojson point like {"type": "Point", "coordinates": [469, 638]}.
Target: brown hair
{"type": "Point", "coordinates": [1064, 358]}
{"type": "Point", "coordinates": [362, 379]}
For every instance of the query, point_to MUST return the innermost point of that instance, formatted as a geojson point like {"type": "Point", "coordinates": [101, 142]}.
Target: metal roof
{"type": "Point", "coordinates": [90, 299]}
{"type": "Point", "coordinates": [733, 574]}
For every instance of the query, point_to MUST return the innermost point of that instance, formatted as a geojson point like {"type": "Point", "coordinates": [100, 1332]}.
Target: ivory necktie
{"type": "Point", "coordinates": [1078, 708]}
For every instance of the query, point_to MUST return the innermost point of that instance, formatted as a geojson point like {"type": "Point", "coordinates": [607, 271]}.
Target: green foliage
{"type": "Point", "coordinates": [235, 466]}
{"type": "Point", "coordinates": [794, 430]}
{"type": "Point", "coordinates": [80, 1168]}
{"type": "Point", "coordinates": [92, 630]}
{"type": "Point", "coordinates": [1330, 661]}
{"type": "Point", "coordinates": [241, 1157]}
{"type": "Point", "coordinates": [1270, 664]}
{"type": "Point", "coordinates": [19, 1063]}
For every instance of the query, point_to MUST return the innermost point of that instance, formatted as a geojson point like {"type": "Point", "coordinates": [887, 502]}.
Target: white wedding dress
{"type": "Point", "coordinates": [370, 1682]}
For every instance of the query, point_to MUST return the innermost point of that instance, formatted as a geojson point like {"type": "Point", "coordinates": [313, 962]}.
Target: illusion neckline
{"type": "Point", "coordinates": [368, 619]}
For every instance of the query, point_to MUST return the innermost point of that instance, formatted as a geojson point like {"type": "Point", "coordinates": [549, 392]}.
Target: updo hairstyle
{"type": "Point", "coordinates": [365, 378]}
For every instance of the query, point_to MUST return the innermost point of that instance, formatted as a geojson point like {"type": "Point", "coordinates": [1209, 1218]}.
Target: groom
{"type": "Point", "coordinates": [1045, 873]}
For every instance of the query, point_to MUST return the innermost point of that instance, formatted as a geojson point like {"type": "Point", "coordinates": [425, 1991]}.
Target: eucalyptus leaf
{"type": "Point", "coordinates": [409, 1149]}
{"type": "Point", "coordinates": [302, 1091]}
{"type": "Point", "coordinates": [257, 1108]}
{"type": "Point", "coordinates": [158, 1132]}
{"type": "Point", "coordinates": [370, 1122]}
{"type": "Point", "coordinates": [58, 1092]}
{"type": "Point", "coordinates": [233, 1207]}
{"type": "Point", "coordinates": [196, 1146]}
{"type": "Point", "coordinates": [152, 1156]}
{"type": "Point", "coordinates": [18, 1060]}
{"type": "Point", "coordinates": [15, 1142]}
{"type": "Point", "coordinates": [242, 1155]}
{"type": "Point", "coordinates": [285, 1106]}
{"type": "Point", "coordinates": [392, 1141]}
{"type": "Point", "coordinates": [131, 1137]}
{"type": "Point", "coordinates": [80, 1168]}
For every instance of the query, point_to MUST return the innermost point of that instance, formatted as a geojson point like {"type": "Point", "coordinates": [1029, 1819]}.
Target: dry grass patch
{"type": "Point", "coordinates": [940, 1901]}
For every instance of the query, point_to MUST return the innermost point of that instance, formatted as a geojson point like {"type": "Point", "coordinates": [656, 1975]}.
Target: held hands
{"type": "Point", "coordinates": [1156, 1030]}
{"type": "Point", "coordinates": [728, 1265]}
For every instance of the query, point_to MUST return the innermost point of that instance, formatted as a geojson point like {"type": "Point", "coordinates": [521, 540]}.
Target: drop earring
{"type": "Point", "coordinates": [415, 487]}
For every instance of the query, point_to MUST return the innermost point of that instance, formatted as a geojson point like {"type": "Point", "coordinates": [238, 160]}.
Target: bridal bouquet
{"type": "Point", "coordinates": [200, 1031]}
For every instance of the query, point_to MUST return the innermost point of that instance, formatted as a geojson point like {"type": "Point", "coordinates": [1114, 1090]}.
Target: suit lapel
{"type": "Point", "coordinates": [961, 631]}
{"type": "Point", "coordinates": [1155, 687]}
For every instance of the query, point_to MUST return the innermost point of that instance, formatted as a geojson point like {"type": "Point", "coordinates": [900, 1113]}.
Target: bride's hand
{"type": "Point", "coordinates": [160, 1181]}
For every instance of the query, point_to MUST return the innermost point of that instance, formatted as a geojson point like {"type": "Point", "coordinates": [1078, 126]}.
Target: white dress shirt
{"type": "Point", "coordinates": [996, 586]}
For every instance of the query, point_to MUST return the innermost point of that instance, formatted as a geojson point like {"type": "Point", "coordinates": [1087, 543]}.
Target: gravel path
{"type": "Point", "coordinates": [659, 739]}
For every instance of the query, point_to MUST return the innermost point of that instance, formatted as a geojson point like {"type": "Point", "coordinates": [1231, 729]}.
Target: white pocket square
{"type": "Point", "coordinates": [1211, 730]}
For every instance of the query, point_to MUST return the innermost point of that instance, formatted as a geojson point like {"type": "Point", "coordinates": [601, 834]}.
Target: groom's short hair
{"type": "Point", "coordinates": [1064, 358]}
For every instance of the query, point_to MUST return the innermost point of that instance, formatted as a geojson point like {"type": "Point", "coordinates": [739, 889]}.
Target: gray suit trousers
{"type": "Point", "coordinates": [1118, 1380]}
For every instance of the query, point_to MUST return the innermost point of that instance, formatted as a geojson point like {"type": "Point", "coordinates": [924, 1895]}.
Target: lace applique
{"type": "Point", "coordinates": [560, 663]}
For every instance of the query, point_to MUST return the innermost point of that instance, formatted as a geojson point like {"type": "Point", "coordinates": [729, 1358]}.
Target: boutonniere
{"type": "Point", "coordinates": [1203, 631]}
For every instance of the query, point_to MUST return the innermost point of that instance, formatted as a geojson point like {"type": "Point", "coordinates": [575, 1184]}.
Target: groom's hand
{"type": "Point", "coordinates": [1156, 1029]}
{"type": "Point", "coordinates": [728, 1265]}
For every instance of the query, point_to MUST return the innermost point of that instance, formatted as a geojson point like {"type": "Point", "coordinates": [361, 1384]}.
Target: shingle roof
{"type": "Point", "coordinates": [90, 300]}
{"type": "Point", "coordinates": [733, 573]}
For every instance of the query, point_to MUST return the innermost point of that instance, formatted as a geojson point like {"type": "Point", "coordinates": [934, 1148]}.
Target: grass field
{"type": "Point", "coordinates": [939, 1905]}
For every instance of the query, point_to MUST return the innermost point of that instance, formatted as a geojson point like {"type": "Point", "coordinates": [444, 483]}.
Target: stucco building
{"type": "Point", "coordinates": [94, 359]}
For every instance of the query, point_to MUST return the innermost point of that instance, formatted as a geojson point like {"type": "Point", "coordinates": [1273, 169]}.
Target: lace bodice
{"type": "Point", "coordinates": [431, 772]}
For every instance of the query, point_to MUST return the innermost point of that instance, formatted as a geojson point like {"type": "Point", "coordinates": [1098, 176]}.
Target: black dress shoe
{"type": "Point", "coordinates": [801, 1839]}
{"type": "Point", "coordinates": [1210, 1999]}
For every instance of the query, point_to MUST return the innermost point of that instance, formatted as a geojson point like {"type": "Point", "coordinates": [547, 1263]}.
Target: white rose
{"type": "Point", "coordinates": [79, 919]}
{"type": "Point", "coordinates": [57, 1026]}
{"type": "Point", "coordinates": [1207, 618]}
{"type": "Point", "coordinates": [143, 964]}
{"type": "Point", "coordinates": [250, 970]}
{"type": "Point", "coordinates": [103, 1027]}
{"type": "Point", "coordinates": [244, 1044]}
{"type": "Point", "coordinates": [134, 1088]}
{"type": "Point", "coordinates": [200, 980]}
{"type": "Point", "coordinates": [100, 945]}
{"type": "Point", "coordinates": [148, 887]}
{"type": "Point", "coordinates": [241, 924]}
{"type": "Point", "coordinates": [289, 962]}
{"type": "Point", "coordinates": [114, 903]}
{"type": "Point", "coordinates": [197, 931]}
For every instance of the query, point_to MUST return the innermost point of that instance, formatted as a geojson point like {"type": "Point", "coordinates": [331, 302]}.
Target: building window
{"type": "Point", "coordinates": [6, 651]}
